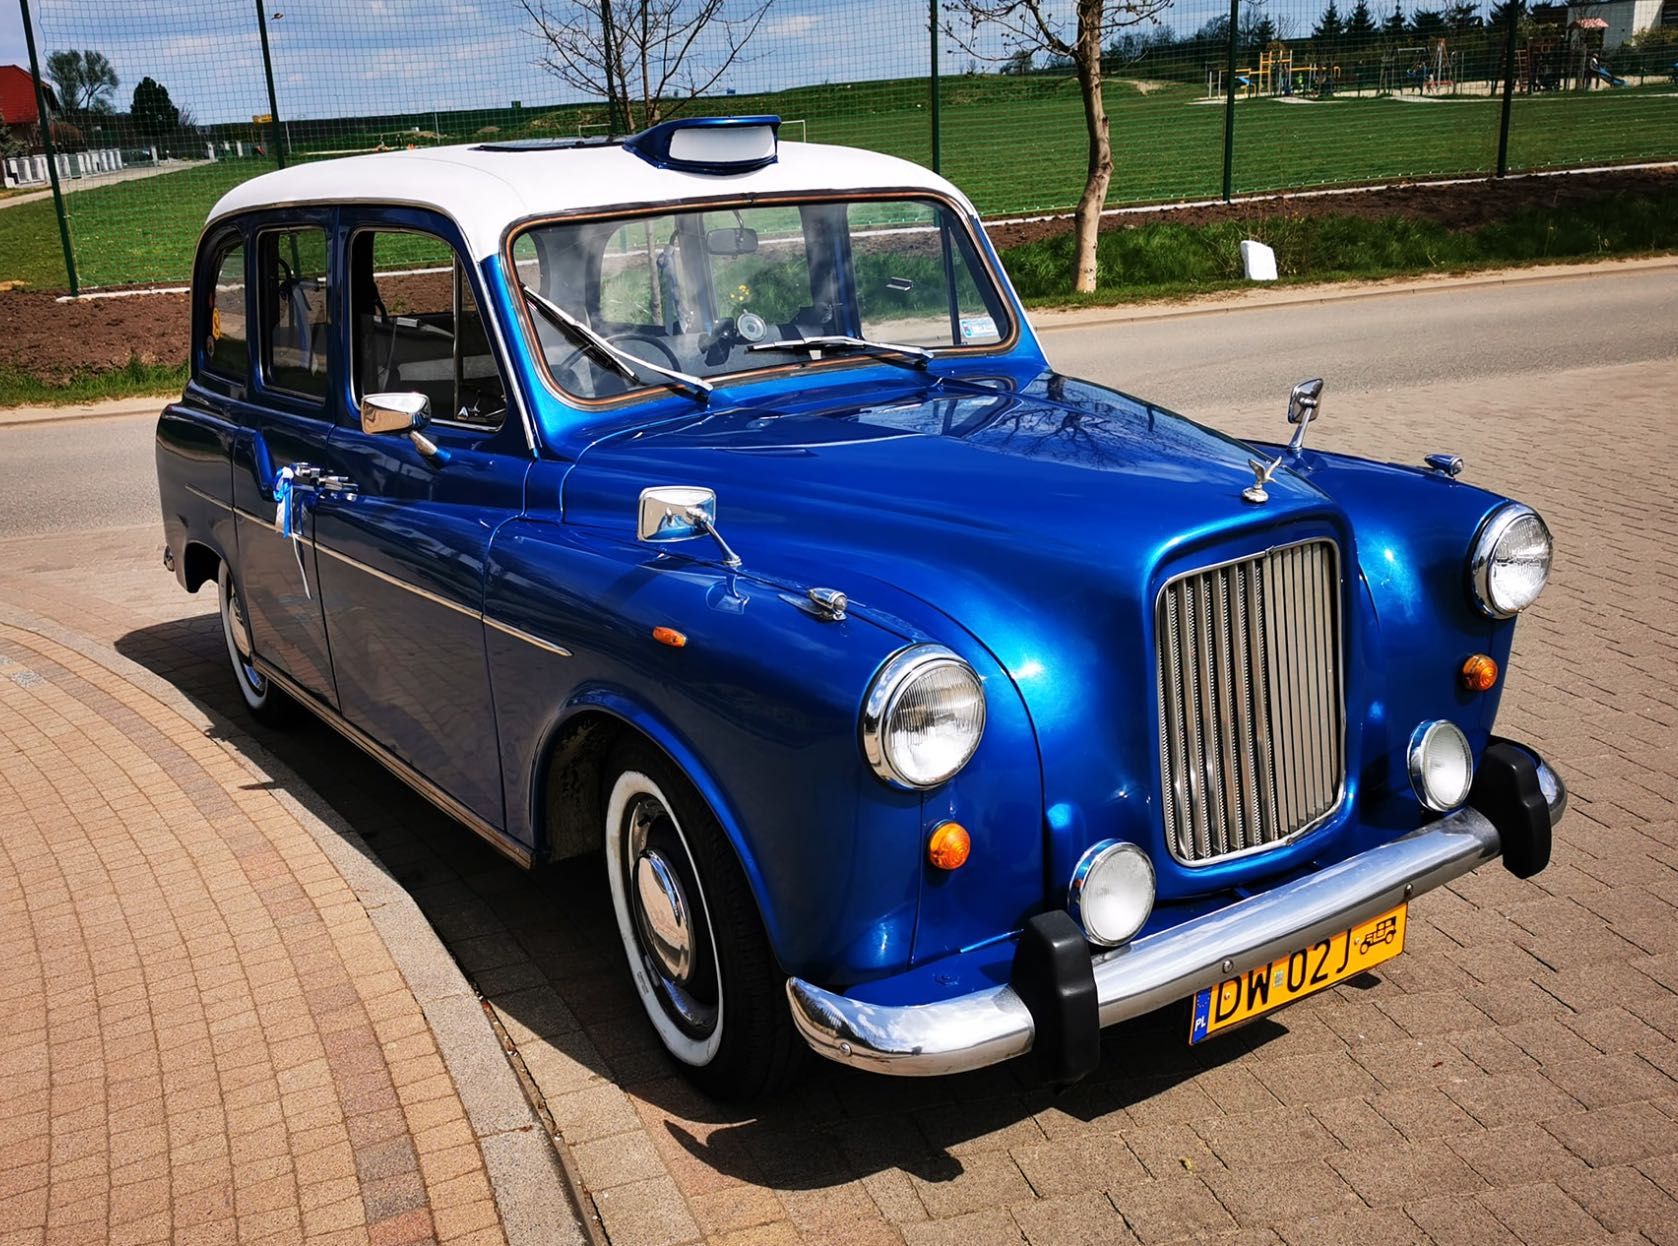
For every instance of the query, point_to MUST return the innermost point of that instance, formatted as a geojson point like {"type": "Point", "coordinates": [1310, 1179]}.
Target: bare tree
{"type": "Point", "coordinates": [648, 59]}
{"type": "Point", "coordinates": [1026, 25]}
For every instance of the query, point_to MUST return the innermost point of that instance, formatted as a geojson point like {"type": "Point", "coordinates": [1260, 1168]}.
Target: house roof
{"type": "Point", "coordinates": [486, 187]}
{"type": "Point", "coordinates": [17, 96]}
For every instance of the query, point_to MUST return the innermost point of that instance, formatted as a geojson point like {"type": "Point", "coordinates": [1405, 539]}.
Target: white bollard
{"type": "Point", "coordinates": [1258, 261]}
{"type": "Point", "coordinates": [209, 151]}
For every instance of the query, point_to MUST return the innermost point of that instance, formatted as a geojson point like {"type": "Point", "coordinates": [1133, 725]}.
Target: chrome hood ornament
{"type": "Point", "coordinates": [1262, 472]}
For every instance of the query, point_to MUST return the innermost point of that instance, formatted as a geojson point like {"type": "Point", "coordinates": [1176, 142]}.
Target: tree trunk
{"type": "Point", "coordinates": [1088, 219]}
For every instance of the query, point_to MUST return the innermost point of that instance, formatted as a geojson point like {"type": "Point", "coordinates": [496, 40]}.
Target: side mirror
{"type": "Point", "coordinates": [402, 412]}
{"type": "Point", "coordinates": [670, 513]}
{"type": "Point", "coordinates": [1303, 404]}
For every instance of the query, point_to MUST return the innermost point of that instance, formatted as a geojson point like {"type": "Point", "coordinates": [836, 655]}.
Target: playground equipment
{"type": "Point", "coordinates": [1275, 74]}
{"type": "Point", "coordinates": [1429, 68]}
{"type": "Point", "coordinates": [1565, 59]}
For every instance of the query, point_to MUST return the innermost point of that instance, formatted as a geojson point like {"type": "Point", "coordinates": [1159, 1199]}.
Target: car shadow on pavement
{"type": "Point", "coordinates": [541, 946]}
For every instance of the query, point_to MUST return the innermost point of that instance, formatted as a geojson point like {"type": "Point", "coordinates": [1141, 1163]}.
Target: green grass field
{"type": "Point", "coordinates": [1015, 145]}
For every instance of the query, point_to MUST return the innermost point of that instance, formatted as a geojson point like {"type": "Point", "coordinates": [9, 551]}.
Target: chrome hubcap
{"type": "Point", "coordinates": [663, 913]}
{"type": "Point", "coordinates": [241, 637]}
{"type": "Point", "coordinates": [669, 918]}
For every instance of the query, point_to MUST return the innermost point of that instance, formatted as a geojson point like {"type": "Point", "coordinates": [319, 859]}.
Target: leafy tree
{"type": "Point", "coordinates": [1427, 24]}
{"type": "Point", "coordinates": [1028, 25]}
{"type": "Point", "coordinates": [1258, 34]}
{"type": "Point", "coordinates": [1330, 25]}
{"type": "Point", "coordinates": [154, 113]}
{"type": "Point", "coordinates": [1360, 26]}
{"type": "Point", "coordinates": [1395, 27]}
{"type": "Point", "coordinates": [1463, 17]}
{"type": "Point", "coordinates": [1019, 64]}
{"type": "Point", "coordinates": [1505, 11]}
{"type": "Point", "coordinates": [84, 80]}
{"type": "Point", "coordinates": [649, 59]}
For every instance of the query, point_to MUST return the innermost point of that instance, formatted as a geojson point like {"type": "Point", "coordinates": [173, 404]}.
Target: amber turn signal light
{"type": "Point", "coordinates": [1479, 673]}
{"type": "Point", "coordinates": [670, 636]}
{"type": "Point", "coordinates": [949, 846]}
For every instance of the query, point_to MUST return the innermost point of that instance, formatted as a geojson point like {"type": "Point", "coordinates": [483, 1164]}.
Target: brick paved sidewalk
{"type": "Point", "coordinates": [203, 1033]}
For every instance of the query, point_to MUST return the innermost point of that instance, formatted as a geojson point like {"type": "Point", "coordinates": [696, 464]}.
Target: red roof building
{"type": "Point", "coordinates": [17, 96]}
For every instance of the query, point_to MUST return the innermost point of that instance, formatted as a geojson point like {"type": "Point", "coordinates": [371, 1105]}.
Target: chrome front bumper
{"type": "Point", "coordinates": [989, 1026]}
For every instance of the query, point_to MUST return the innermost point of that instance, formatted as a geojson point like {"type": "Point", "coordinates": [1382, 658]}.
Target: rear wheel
{"type": "Point", "coordinates": [697, 952]}
{"type": "Point", "coordinates": [266, 703]}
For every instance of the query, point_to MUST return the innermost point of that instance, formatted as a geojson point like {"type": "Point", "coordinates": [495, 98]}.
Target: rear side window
{"type": "Point", "coordinates": [226, 349]}
{"type": "Point", "coordinates": [296, 326]}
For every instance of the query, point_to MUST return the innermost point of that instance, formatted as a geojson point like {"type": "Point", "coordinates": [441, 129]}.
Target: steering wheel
{"type": "Point", "coordinates": [569, 363]}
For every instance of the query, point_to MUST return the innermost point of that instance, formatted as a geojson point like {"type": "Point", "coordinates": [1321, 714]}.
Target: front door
{"type": "Point", "coordinates": [402, 544]}
{"type": "Point", "coordinates": [285, 421]}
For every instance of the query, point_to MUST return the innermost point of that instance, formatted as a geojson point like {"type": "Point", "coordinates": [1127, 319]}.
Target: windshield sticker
{"type": "Point", "coordinates": [978, 328]}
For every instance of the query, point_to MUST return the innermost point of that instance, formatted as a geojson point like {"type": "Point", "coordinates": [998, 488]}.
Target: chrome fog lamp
{"type": "Point", "coordinates": [1441, 765]}
{"type": "Point", "coordinates": [1112, 892]}
{"type": "Point", "coordinates": [1510, 562]}
{"type": "Point", "coordinates": [923, 717]}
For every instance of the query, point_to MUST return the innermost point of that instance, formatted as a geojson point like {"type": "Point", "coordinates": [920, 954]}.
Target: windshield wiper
{"type": "Point", "coordinates": [891, 352]}
{"type": "Point", "coordinates": [626, 365]}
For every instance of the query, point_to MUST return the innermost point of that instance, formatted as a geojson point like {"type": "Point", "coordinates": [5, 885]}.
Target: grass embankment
{"type": "Point", "coordinates": [1165, 259]}
{"type": "Point", "coordinates": [21, 389]}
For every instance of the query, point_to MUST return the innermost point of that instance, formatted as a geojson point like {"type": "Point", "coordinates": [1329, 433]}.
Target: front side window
{"type": "Point", "coordinates": [712, 292]}
{"type": "Point", "coordinates": [226, 352]}
{"type": "Point", "coordinates": [296, 326]}
{"type": "Point", "coordinates": [418, 328]}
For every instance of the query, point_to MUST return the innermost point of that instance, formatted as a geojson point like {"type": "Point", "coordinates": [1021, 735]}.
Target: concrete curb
{"type": "Point", "coordinates": [1048, 319]}
{"type": "Point", "coordinates": [16, 417]}
{"type": "Point", "coordinates": [530, 1178]}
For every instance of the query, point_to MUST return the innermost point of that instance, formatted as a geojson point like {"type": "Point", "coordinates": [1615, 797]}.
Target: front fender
{"type": "Point", "coordinates": [759, 707]}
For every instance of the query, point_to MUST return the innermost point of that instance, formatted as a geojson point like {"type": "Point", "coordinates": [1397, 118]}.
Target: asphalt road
{"type": "Point", "coordinates": [1204, 363]}
{"type": "Point", "coordinates": [92, 474]}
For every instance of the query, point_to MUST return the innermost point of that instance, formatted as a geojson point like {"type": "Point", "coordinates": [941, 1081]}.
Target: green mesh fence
{"type": "Point", "coordinates": [163, 107]}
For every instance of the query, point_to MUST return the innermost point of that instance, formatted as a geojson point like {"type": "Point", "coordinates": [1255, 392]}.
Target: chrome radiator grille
{"type": "Point", "coordinates": [1252, 729]}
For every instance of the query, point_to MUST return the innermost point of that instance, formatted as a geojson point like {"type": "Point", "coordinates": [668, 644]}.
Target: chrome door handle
{"type": "Point", "coordinates": [336, 484]}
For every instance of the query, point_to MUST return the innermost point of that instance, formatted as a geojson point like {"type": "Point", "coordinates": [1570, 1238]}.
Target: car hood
{"type": "Point", "coordinates": [977, 500]}
{"type": "Point", "coordinates": [1041, 519]}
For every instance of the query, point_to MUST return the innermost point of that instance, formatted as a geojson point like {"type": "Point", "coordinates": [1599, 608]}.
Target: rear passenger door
{"type": "Point", "coordinates": [402, 553]}
{"type": "Point", "coordinates": [286, 420]}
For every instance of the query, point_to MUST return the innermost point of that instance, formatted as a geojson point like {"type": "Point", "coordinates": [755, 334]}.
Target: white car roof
{"type": "Point", "coordinates": [485, 188]}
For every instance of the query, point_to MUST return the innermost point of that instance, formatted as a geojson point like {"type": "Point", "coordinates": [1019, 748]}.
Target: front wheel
{"type": "Point", "coordinates": [697, 951]}
{"type": "Point", "coordinates": [267, 704]}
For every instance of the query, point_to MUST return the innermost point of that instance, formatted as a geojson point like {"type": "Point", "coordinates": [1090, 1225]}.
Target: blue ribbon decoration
{"type": "Point", "coordinates": [287, 499]}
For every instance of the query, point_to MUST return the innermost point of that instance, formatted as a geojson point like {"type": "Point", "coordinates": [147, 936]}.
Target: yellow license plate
{"type": "Point", "coordinates": [1288, 978]}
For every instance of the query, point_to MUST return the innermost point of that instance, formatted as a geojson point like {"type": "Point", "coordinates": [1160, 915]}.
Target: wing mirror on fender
{"type": "Point", "coordinates": [670, 513]}
{"type": "Point", "coordinates": [405, 411]}
{"type": "Point", "coordinates": [1303, 404]}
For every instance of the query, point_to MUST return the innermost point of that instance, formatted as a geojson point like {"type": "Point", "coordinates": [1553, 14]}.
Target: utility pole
{"type": "Point", "coordinates": [43, 119]}
{"type": "Point", "coordinates": [273, 100]}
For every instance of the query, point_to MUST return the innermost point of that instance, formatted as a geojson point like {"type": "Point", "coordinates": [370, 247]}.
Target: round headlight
{"type": "Point", "coordinates": [923, 717]}
{"type": "Point", "coordinates": [1441, 765]}
{"type": "Point", "coordinates": [1511, 561]}
{"type": "Point", "coordinates": [1112, 892]}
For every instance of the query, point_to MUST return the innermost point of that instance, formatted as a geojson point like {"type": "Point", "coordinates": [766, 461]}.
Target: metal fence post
{"type": "Point", "coordinates": [1514, 15]}
{"type": "Point", "coordinates": [273, 100]}
{"type": "Point", "coordinates": [932, 19]}
{"type": "Point", "coordinates": [43, 119]}
{"type": "Point", "coordinates": [1229, 100]}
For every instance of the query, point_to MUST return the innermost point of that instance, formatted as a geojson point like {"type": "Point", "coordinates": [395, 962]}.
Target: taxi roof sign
{"type": "Point", "coordinates": [714, 145]}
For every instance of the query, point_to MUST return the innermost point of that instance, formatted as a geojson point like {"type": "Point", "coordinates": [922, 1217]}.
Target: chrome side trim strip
{"type": "Point", "coordinates": [397, 583]}
{"type": "Point", "coordinates": [518, 634]}
{"type": "Point", "coordinates": [528, 639]}
{"type": "Point", "coordinates": [401, 769]}
{"type": "Point", "coordinates": [214, 501]}
{"type": "Point", "coordinates": [991, 1025]}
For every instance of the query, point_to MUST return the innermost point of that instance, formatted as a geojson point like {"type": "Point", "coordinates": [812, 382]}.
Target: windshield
{"type": "Point", "coordinates": [714, 291]}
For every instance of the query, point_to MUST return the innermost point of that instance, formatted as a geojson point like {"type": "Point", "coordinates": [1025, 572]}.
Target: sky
{"type": "Point", "coordinates": [347, 57]}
